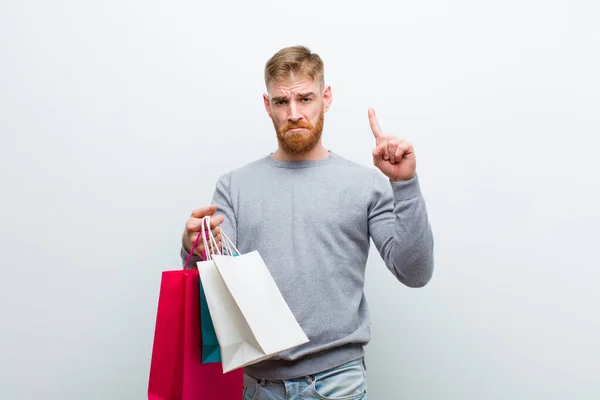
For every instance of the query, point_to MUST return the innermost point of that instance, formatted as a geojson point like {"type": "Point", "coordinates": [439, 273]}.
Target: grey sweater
{"type": "Point", "coordinates": [311, 222]}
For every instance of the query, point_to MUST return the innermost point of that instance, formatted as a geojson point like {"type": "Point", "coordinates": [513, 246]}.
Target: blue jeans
{"type": "Point", "coordinates": [345, 382]}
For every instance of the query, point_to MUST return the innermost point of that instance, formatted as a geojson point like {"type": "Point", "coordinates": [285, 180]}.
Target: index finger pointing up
{"type": "Point", "coordinates": [374, 124]}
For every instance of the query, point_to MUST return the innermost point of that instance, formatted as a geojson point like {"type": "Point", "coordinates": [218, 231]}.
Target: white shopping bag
{"type": "Point", "coordinates": [250, 316]}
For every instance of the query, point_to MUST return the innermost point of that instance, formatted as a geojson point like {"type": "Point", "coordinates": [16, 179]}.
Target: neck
{"type": "Point", "coordinates": [316, 153]}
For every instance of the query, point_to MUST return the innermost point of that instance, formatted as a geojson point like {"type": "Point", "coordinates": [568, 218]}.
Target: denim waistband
{"type": "Point", "coordinates": [275, 370]}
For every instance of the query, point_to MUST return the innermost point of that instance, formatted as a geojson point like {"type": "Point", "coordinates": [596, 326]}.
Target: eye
{"type": "Point", "coordinates": [280, 102]}
{"type": "Point", "coordinates": [305, 99]}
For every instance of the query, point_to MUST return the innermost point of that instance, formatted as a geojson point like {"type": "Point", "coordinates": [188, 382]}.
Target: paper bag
{"type": "Point", "coordinates": [250, 316]}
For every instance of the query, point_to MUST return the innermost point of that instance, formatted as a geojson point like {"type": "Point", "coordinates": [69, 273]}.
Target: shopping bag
{"type": "Point", "coordinates": [211, 352]}
{"type": "Point", "coordinates": [250, 316]}
{"type": "Point", "coordinates": [176, 370]}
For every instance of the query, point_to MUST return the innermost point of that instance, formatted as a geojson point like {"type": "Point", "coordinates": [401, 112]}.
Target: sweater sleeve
{"type": "Point", "coordinates": [222, 199]}
{"type": "Point", "coordinates": [400, 229]}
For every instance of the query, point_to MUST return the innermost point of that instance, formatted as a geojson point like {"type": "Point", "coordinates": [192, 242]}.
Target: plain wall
{"type": "Point", "coordinates": [117, 117]}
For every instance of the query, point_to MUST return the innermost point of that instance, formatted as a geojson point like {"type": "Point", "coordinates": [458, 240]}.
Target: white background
{"type": "Point", "coordinates": [117, 117]}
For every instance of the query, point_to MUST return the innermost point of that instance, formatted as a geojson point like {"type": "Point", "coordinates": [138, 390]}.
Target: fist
{"type": "Point", "coordinates": [393, 156]}
{"type": "Point", "coordinates": [193, 227]}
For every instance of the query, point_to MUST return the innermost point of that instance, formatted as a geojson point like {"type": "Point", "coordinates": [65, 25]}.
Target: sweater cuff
{"type": "Point", "coordinates": [406, 190]}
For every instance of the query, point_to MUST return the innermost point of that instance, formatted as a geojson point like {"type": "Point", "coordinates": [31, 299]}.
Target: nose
{"type": "Point", "coordinates": [294, 115]}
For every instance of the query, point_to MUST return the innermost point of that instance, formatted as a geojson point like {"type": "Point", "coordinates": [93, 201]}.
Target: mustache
{"type": "Point", "coordinates": [297, 124]}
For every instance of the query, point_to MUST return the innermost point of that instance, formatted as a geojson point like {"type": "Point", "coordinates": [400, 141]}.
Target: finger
{"type": "Point", "coordinates": [199, 250]}
{"type": "Point", "coordinates": [406, 148]}
{"type": "Point", "coordinates": [386, 151]}
{"type": "Point", "coordinates": [216, 235]}
{"type": "Point", "coordinates": [213, 249]}
{"type": "Point", "coordinates": [378, 155]}
{"type": "Point", "coordinates": [195, 238]}
{"type": "Point", "coordinates": [378, 152]}
{"type": "Point", "coordinates": [403, 150]}
{"type": "Point", "coordinates": [193, 225]}
{"type": "Point", "coordinates": [204, 211]}
{"type": "Point", "coordinates": [383, 145]}
{"type": "Point", "coordinates": [392, 146]}
{"type": "Point", "coordinates": [374, 124]}
{"type": "Point", "coordinates": [400, 150]}
{"type": "Point", "coordinates": [216, 221]}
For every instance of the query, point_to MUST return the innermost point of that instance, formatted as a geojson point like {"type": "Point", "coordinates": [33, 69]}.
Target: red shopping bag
{"type": "Point", "coordinates": [176, 370]}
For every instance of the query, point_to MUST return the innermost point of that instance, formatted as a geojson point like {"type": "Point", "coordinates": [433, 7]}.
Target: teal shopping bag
{"type": "Point", "coordinates": [211, 352]}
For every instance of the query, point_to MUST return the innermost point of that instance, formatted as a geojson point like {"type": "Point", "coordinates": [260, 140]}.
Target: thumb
{"type": "Point", "coordinates": [379, 151]}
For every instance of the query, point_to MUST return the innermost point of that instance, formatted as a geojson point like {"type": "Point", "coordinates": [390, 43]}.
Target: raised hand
{"type": "Point", "coordinates": [393, 156]}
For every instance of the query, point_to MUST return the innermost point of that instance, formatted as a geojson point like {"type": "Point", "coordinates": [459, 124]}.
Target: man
{"type": "Point", "coordinates": [311, 213]}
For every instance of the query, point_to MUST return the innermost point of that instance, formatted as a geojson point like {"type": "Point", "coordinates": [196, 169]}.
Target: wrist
{"type": "Point", "coordinates": [402, 178]}
{"type": "Point", "coordinates": [185, 243]}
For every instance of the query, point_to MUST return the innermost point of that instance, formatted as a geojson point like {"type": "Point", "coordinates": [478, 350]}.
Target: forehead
{"type": "Point", "coordinates": [292, 85]}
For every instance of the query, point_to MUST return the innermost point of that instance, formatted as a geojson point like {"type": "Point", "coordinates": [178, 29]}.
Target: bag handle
{"type": "Point", "coordinates": [192, 250]}
{"type": "Point", "coordinates": [229, 244]}
{"type": "Point", "coordinates": [202, 228]}
{"type": "Point", "coordinates": [207, 239]}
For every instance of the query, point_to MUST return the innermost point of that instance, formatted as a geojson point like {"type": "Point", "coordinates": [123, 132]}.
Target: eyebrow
{"type": "Point", "coordinates": [276, 99]}
{"type": "Point", "coordinates": [283, 98]}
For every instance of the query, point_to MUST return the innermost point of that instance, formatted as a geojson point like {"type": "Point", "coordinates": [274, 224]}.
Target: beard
{"type": "Point", "coordinates": [300, 142]}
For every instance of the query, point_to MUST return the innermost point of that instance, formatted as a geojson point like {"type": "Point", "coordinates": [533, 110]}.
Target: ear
{"type": "Point", "coordinates": [327, 98]}
{"type": "Point", "coordinates": [267, 104]}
